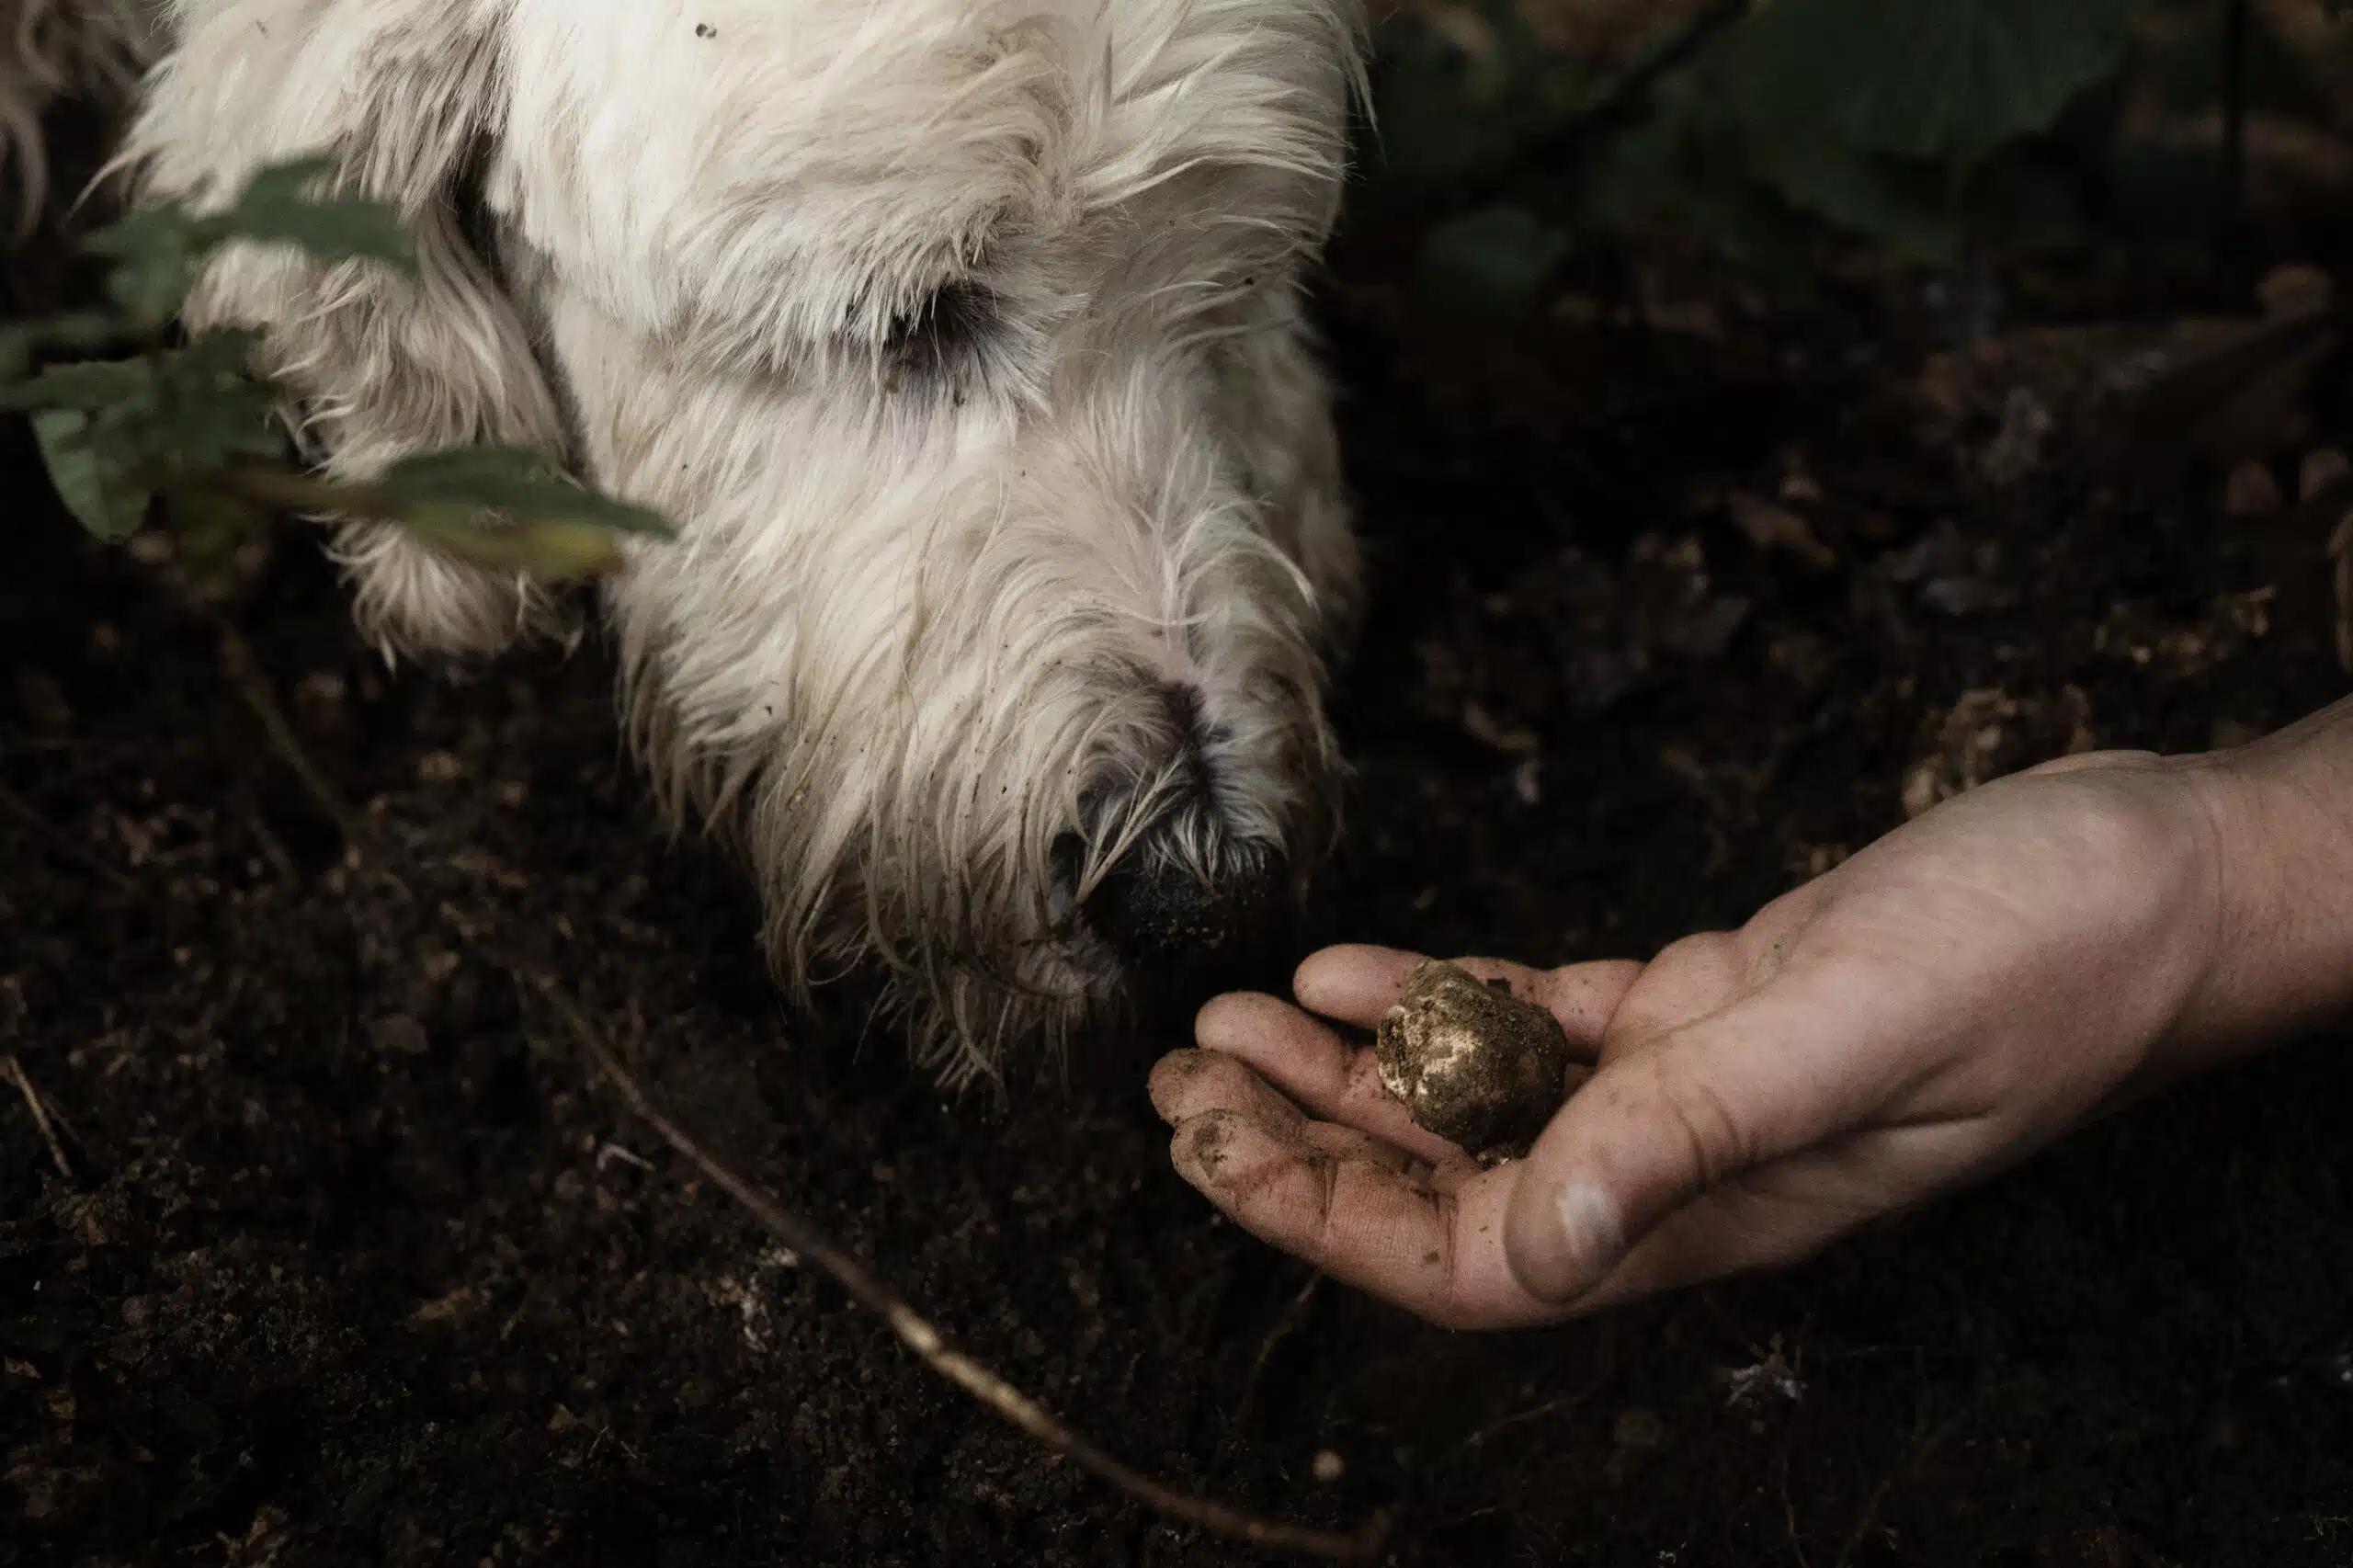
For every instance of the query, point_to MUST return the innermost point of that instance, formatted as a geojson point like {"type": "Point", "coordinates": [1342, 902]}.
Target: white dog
{"type": "Point", "coordinates": [962, 338]}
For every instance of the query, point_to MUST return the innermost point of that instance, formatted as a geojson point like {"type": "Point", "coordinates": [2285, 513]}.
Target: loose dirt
{"type": "Point", "coordinates": [1681, 595]}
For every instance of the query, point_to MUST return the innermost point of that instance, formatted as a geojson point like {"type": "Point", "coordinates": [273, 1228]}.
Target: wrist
{"type": "Point", "coordinates": [2278, 817]}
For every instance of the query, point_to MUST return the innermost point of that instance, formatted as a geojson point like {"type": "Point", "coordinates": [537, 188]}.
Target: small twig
{"type": "Point", "coordinates": [1923, 1439]}
{"type": "Point", "coordinates": [1584, 1395]}
{"type": "Point", "coordinates": [630, 1158]}
{"type": "Point", "coordinates": [925, 1340]}
{"type": "Point", "coordinates": [1790, 1519]}
{"type": "Point", "coordinates": [1781, 1451]}
{"type": "Point", "coordinates": [1520, 1418]}
{"type": "Point", "coordinates": [272, 847]}
{"type": "Point", "coordinates": [805, 1239]}
{"type": "Point", "coordinates": [252, 688]}
{"type": "Point", "coordinates": [40, 1119]}
{"type": "Point", "coordinates": [1288, 1324]}
{"type": "Point", "coordinates": [63, 842]}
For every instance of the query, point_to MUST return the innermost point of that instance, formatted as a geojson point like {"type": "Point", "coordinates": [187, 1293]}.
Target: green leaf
{"type": "Point", "coordinates": [549, 550]}
{"type": "Point", "coordinates": [89, 385]}
{"type": "Point", "coordinates": [1941, 82]}
{"type": "Point", "coordinates": [239, 422]}
{"type": "Point", "coordinates": [1466, 103]}
{"type": "Point", "coordinates": [154, 250]}
{"type": "Point", "coordinates": [84, 330]}
{"type": "Point", "coordinates": [1497, 259]}
{"type": "Point", "coordinates": [1685, 168]}
{"type": "Point", "coordinates": [523, 485]}
{"type": "Point", "coordinates": [210, 412]}
{"type": "Point", "coordinates": [1882, 119]}
{"type": "Point", "coordinates": [1912, 207]}
{"type": "Point", "coordinates": [157, 249]}
{"type": "Point", "coordinates": [506, 507]}
{"type": "Point", "coordinates": [86, 475]}
{"type": "Point", "coordinates": [293, 202]}
{"type": "Point", "coordinates": [193, 422]}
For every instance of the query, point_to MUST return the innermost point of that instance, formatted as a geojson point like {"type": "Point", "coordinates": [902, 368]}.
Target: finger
{"type": "Point", "coordinates": [1656, 1128]}
{"type": "Point", "coordinates": [1316, 1069]}
{"type": "Point", "coordinates": [1360, 984]}
{"type": "Point", "coordinates": [1356, 984]}
{"type": "Point", "coordinates": [1187, 1083]}
{"type": "Point", "coordinates": [1585, 997]}
{"type": "Point", "coordinates": [1447, 1176]}
{"type": "Point", "coordinates": [1437, 1255]}
{"type": "Point", "coordinates": [1347, 1143]}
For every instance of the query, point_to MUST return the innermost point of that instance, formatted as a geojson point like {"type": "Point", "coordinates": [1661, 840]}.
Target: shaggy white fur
{"type": "Point", "coordinates": [962, 338]}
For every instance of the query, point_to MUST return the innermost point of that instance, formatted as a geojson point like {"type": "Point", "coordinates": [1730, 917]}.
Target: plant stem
{"type": "Point", "coordinates": [802, 1235]}
{"type": "Point", "coordinates": [917, 1334]}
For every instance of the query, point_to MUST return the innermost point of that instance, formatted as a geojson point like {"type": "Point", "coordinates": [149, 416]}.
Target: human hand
{"type": "Point", "coordinates": [1944, 1003]}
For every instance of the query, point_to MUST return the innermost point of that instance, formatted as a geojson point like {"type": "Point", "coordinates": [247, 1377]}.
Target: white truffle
{"type": "Point", "coordinates": [1472, 1062]}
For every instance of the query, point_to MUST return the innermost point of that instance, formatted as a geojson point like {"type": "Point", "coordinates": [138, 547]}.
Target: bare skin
{"type": "Point", "coordinates": [1959, 995]}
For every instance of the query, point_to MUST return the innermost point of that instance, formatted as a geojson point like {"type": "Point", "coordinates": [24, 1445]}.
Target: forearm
{"type": "Point", "coordinates": [2282, 817]}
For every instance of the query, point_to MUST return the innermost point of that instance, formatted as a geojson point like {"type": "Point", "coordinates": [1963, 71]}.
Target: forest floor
{"type": "Point", "coordinates": [1681, 593]}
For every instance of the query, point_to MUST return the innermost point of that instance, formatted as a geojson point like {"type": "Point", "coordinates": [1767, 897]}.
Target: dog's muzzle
{"type": "Point", "coordinates": [1183, 899]}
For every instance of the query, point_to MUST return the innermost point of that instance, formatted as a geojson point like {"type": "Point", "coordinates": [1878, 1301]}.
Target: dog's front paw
{"type": "Point", "coordinates": [414, 601]}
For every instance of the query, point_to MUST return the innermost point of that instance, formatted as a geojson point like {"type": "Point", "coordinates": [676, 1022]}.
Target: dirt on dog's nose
{"type": "Point", "coordinates": [1185, 893]}
{"type": "Point", "coordinates": [1157, 909]}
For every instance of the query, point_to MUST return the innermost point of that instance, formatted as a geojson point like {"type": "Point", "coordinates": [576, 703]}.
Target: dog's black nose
{"type": "Point", "coordinates": [1161, 906]}
{"type": "Point", "coordinates": [1180, 894]}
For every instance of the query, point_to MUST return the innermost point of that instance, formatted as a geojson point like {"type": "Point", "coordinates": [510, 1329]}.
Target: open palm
{"type": "Point", "coordinates": [1944, 1003]}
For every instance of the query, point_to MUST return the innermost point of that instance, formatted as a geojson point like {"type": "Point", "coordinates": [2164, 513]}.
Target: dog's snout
{"type": "Point", "coordinates": [1158, 905]}
{"type": "Point", "coordinates": [1179, 888]}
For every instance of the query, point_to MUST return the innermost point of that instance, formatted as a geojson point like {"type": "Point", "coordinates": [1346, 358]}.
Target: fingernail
{"type": "Point", "coordinates": [1594, 1231]}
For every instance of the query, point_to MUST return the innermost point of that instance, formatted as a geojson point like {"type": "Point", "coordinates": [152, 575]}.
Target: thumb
{"type": "Point", "coordinates": [1661, 1125]}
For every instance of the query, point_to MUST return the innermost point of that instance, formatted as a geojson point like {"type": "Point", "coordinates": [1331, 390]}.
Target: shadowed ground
{"type": "Point", "coordinates": [1675, 603]}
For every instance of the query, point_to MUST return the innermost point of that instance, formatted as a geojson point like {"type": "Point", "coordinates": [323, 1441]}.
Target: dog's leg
{"type": "Point", "coordinates": [404, 95]}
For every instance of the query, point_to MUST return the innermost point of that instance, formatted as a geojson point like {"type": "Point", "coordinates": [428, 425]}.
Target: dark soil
{"type": "Point", "coordinates": [353, 1263]}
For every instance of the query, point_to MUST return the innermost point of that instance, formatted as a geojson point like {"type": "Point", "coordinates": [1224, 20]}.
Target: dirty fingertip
{"type": "Point", "coordinates": [1236, 1020]}
{"type": "Point", "coordinates": [1224, 1150]}
{"type": "Point", "coordinates": [1353, 983]}
{"type": "Point", "coordinates": [1171, 1077]}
